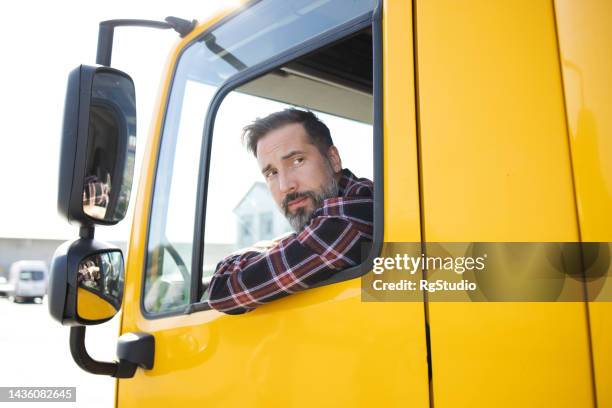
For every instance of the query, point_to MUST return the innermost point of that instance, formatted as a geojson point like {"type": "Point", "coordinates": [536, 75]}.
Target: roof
{"type": "Point", "coordinates": [255, 184]}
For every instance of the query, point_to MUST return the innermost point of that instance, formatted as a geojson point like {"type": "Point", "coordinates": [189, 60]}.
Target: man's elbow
{"type": "Point", "coordinates": [221, 300]}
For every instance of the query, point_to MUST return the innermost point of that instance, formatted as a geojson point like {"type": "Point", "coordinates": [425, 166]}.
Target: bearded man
{"type": "Point", "coordinates": [329, 208]}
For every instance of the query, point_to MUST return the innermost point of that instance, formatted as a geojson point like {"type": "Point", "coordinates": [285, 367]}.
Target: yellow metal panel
{"type": "Point", "coordinates": [402, 223]}
{"type": "Point", "coordinates": [322, 347]}
{"type": "Point", "coordinates": [496, 167]}
{"type": "Point", "coordinates": [490, 104]}
{"type": "Point", "coordinates": [585, 42]}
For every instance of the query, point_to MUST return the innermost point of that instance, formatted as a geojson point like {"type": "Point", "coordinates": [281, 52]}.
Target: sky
{"type": "Point", "coordinates": [41, 43]}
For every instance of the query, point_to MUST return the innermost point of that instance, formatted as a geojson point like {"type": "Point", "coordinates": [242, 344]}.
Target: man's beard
{"type": "Point", "coordinates": [302, 216]}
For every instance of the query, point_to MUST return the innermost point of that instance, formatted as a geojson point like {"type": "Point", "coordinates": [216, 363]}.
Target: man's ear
{"type": "Point", "coordinates": [334, 159]}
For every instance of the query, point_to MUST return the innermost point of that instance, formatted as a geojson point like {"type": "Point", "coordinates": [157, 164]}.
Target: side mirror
{"type": "Point", "coordinates": [98, 146]}
{"type": "Point", "coordinates": [85, 288]}
{"type": "Point", "coordinates": [95, 182]}
{"type": "Point", "coordinates": [86, 282]}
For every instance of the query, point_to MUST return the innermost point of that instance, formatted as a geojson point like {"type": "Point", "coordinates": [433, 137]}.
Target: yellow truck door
{"type": "Point", "coordinates": [497, 168]}
{"type": "Point", "coordinates": [321, 347]}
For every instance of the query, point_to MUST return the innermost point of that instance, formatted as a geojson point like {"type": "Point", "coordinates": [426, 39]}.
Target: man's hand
{"type": "Point", "coordinates": [257, 247]}
{"type": "Point", "coordinates": [261, 246]}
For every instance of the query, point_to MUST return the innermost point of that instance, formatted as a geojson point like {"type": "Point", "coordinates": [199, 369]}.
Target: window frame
{"type": "Point", "coordinates": [371, 20]}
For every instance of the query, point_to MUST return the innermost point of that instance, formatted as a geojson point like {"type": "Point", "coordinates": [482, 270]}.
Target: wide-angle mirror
{"type": "Point", "coordinates": [86, 282]}
{"type": "Point", "coordinates": [100, 286]}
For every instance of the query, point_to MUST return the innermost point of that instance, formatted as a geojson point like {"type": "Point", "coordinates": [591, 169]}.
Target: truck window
{"type": "Point", "coordinates": [259, 33]}
{"type": "Point", "coordinates": [240, 210]}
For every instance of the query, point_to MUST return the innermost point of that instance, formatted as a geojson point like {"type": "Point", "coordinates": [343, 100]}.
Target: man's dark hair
{"type": "Point", "coordinates": [316, 130]}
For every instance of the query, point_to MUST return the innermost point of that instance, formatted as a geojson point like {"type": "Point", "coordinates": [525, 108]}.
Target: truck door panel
{"type": "Point", "coordinates": [496, 167]}
{"type": "Point", "coordinates": [320, 347]}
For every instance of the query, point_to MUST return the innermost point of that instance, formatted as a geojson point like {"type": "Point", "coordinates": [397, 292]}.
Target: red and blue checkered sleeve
{"type": "Point", "coordinates": [331, 242]}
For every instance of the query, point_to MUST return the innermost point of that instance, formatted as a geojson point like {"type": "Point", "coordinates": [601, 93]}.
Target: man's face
{"type": "Point", "coordinates": [298, 175]}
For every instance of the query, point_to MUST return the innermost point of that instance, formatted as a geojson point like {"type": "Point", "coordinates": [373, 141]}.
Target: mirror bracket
{"type": "Point", "coordinates": [121, 369]}
{"type": "Point", "coordinates": [137, 348]}
{"type": "Point", "coordinates": [107, 29]}
{"type": "Point", "coordinates": [82, 357]}
{"type": "Point", "coordinates": [86, 231]}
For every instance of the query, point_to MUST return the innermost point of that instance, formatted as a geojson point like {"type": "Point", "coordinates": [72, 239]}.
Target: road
{"type": "Point", "coordinates": [34, 352]}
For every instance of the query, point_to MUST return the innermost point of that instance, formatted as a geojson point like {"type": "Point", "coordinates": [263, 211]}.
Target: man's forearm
{"type": "Point", "coordinates": [241, 283]}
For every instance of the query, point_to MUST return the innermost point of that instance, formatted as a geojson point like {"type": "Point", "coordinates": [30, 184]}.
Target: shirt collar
{"type": "Point", "coordinates": [347, 180]}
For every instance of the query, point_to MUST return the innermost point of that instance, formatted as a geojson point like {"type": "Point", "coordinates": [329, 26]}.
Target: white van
{"type": "Point", "coordinates": [27, 280]}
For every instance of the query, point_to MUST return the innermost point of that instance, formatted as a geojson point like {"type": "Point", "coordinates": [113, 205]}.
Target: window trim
{"type": "Point", "coordinates": [371, 19]}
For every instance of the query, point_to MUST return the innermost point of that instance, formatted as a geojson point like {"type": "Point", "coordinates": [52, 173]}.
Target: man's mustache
{"type": "Point", "coordinates": [294, 196]}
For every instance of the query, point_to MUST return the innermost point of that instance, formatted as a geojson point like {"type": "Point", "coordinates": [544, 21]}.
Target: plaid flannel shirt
{"type": "Point", "coordinates": [96, 192]}
{"type": "Point", "coordinates": [332, 241]}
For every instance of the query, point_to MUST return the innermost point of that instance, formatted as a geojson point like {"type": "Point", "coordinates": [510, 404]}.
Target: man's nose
{"type": "Point", "coordinates": [287, 183]}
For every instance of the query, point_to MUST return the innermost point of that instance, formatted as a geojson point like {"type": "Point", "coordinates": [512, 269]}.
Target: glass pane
{"type": "Point", "coordinates": [257, 34]}
{"type": "Point", "coordinates": [111, 147]}
{"type": "Point", "coordinates": [168, 271]}
{"type": "Point", "coordinates": [271, 27]}
{"type": "Point", "coordinates": [103, 274]}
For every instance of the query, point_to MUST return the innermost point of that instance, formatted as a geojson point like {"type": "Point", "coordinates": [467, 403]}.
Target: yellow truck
{"type": "Point", "coordinates": [479, 121]}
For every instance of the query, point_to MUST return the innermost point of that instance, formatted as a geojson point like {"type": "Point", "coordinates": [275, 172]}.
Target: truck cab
{"type": "Point", "coordinates": [479, 124]}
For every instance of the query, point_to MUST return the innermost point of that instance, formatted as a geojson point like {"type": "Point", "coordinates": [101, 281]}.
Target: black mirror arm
{"type": "Point", "coordinates": [107, 29]}
{"type": "Point", "coordinates": [121, 369]}
{"type": "Point", "coordinates": [87, 231]}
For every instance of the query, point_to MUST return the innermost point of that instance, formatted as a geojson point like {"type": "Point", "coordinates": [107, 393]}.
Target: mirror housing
{"type": "Point", "coordinates": [86, 282]}
{"type": "Point", "coordinates": [98, 146]}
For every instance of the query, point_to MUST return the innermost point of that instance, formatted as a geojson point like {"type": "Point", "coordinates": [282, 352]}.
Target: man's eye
{"type": "Point", "coordinates": [271, 173]}
{"type": "Point", "coordinates": [298, 160]}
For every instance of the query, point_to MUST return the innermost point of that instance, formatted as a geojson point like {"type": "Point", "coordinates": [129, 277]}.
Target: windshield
{"type": "Point", "coordinates": [26, 276]}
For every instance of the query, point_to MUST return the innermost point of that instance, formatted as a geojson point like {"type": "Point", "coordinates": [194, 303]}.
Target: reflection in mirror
{"type": "Point", "coordinates": [111, 147]}
{"type": "Point", "coordinates": [100, 286]}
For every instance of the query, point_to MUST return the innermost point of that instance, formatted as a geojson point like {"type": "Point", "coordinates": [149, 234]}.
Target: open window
{"type": "Point", "coordinates": [335, 83]}
{"type": "Point", "coordinates": [323, 57]}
